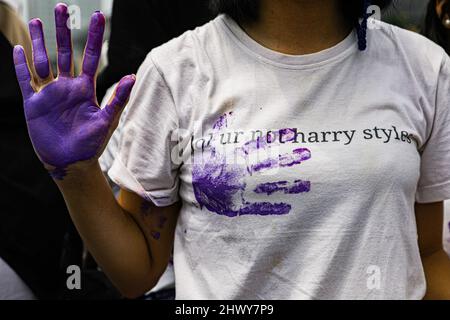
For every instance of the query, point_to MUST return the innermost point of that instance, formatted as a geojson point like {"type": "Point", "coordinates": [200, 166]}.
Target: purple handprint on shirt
{"type": "Point", "coordinates": [220, 185]}
{"type": "Point", "coordinates": [64, 120]}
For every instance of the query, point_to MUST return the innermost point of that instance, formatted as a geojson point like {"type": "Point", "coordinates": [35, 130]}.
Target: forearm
{"type": "Point", "coordinates": [111, 235]}
{"type": "Point", "coordinates": [437, 273]}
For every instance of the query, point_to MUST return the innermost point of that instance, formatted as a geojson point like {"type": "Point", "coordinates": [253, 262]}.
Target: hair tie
{"type": "Point", "coordinates": [361, 28]}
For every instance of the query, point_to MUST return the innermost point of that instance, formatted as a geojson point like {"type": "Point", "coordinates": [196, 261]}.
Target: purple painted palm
{"type": "Point", "coordinates": [64, 120]}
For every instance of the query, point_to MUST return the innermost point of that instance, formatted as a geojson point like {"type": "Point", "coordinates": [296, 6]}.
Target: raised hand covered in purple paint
{"type": "Point", "coordinates": [220, 185]}
{"type": "Point", "coordinates": [65, 122]}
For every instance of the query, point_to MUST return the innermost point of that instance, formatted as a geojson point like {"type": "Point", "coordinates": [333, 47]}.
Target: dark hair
{"type": "Point", "coordinates": [247, 10]}
{"type": "Point", "coordinates": [434, 29]}
{"type": "Point", "coordinates": [239, 10]}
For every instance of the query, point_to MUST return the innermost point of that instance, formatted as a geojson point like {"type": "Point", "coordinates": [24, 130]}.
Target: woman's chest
{"type": "Point", "coordinates": [272, 163]}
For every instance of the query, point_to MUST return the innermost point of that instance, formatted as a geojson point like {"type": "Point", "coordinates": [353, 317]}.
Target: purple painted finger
{"type": "Point", "coordinates": [23, 72]}
{"type": "Point", "coordinates": [63, 40]}
{"type": "Point", "coordinates": [94, 43]}
{"type": "Point", "coordinates": [40, 56]}
{"type": "Point", "coordinates": [121, 95]}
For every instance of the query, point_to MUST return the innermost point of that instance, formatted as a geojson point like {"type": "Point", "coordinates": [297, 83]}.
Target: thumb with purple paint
{"type": "Point", "coordinates": [65, 123]}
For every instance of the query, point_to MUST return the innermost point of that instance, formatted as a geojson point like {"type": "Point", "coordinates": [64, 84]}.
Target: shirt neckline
{"type": "Point", "coordinates": [338, 51]}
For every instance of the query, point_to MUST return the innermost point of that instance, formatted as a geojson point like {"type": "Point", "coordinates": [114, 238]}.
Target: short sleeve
{"type": "Point", "coordinates": [107, 158]}
{"type": "Point", "coordinates": [434, 183]}
{"type": "Point", "coordinates": [143, 162]}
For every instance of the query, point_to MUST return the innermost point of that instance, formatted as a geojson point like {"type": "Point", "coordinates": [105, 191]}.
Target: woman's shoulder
{"type": "Point", "coordinates": [187, 51]}
{"type": "Point", "coordinates": [412, 47]}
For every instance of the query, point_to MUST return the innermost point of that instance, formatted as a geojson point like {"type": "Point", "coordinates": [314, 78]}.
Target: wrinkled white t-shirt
{"type": "Point", "coordinates": [298, 174]}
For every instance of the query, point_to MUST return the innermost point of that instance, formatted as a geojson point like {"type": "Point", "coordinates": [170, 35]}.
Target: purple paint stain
{"type": "Point", "coordinates": [155, 235]}
{"type": "Point", "coordinates": [296, 157]}
{"type": "Point", "coordinates": [265, 209]}
{"type": "Point", "coordinates": [217, 185]}
{"type": "Point", "coordinates": [298, 186]}
{"type": "Point", "coordinates": [40, 57]}
{"type": "Point", "coordinates": [265, 164]}
{"type": "Point", "coordinates": [63, 40]}
{"type": "Point", "coordinates": [222, 122]}
{"type": "Point", "coordinates": [220, 187]}
{"type": "Point", "coordinates": [286, 160]}
{"type": "Point", "coordinates": [287, 135]}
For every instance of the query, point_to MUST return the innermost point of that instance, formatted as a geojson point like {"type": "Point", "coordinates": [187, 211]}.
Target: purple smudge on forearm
{"type": "Point", "coordinates": [161, 222]}
{"type": "Point", "coordinates": [298, 186]}
{"type": "Point", "coordinates": [155, 235]}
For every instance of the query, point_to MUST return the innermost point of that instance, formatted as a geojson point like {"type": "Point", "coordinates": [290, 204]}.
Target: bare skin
{"type": "Point", "coordinates": [299, 26]}
{"type": "Point", "coordinates": [436, 263]}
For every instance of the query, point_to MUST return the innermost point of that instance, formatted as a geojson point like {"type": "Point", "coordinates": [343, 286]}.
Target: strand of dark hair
{"type": "Point", "coordinates": [248, 10]}
{"type": "Point", "coordinates": [245, 10]}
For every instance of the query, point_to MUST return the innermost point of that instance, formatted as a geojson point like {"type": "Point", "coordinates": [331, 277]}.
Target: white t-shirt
{"type": "Point", "coordinates": [305, 169]}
